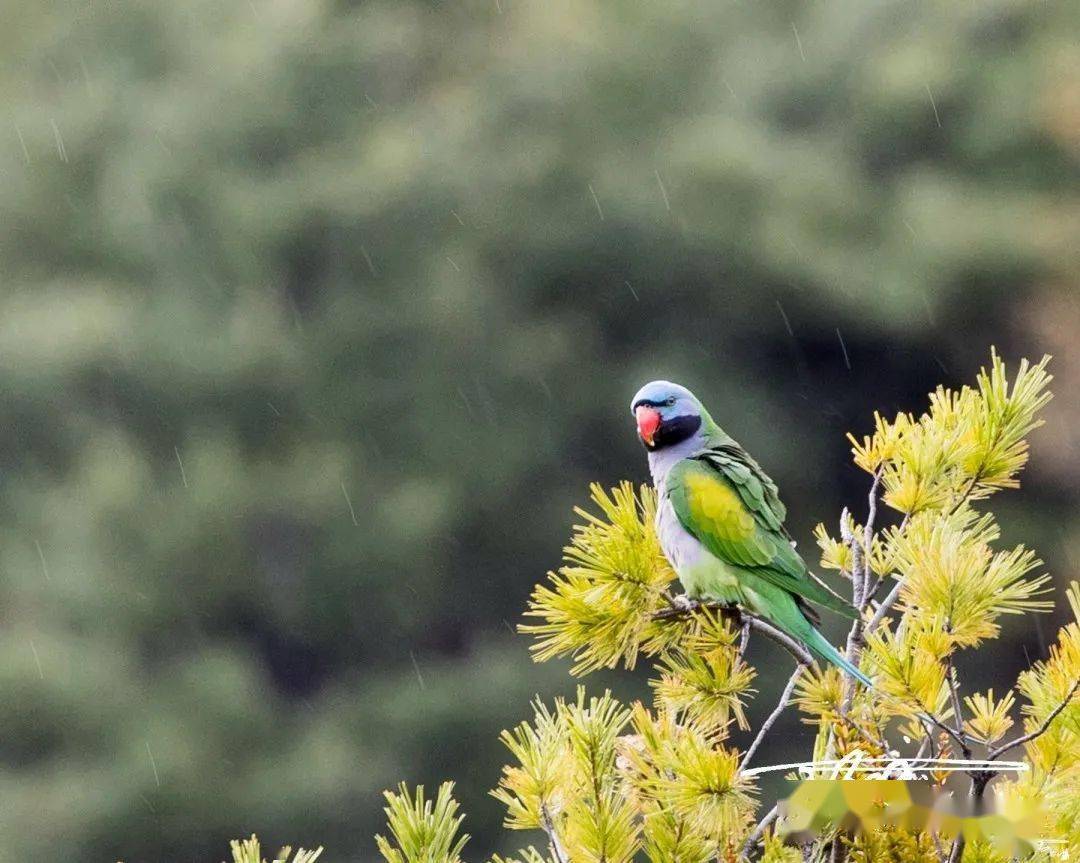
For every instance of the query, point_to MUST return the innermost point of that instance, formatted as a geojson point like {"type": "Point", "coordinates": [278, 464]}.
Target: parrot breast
{"type": "Point", "coordinates": [681, 549]}
{"type": "Point", "coordinates": [702, 575]}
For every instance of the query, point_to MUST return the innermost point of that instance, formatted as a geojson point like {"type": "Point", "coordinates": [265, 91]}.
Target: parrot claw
{"type": "Point", "coordinates": [683, 603]}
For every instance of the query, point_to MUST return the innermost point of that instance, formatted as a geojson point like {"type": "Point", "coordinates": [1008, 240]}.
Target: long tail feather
{"type": "Point", "coordinates": [821, 648]}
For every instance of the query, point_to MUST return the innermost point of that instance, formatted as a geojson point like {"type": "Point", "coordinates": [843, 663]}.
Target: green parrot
{"type": "Point", "coordinates": [721, 523]}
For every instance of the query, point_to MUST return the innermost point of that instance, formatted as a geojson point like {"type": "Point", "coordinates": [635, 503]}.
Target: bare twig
{"type": "Point", "coordinates": [801, 654]}
{"type": "Point", "coordinates": [868, 538]}
{"type": "Point", "coordinates": [1043, 726]}
{"type": "Point", "coordinates": [839, 852]}
{"type": "Point", "coordinates": [855, 573]}
{"type": "Point", "coordinates": [855, 642]}
{"type": "Point", "coordinates": [959, 737]}
{"type": "Point", "coordinates": [871, 591]}
{"type": "Point", "coordinates": [890, 600]}
{"type": "Point", "coordinates": [937, 847]}
{"type": "Point", "coordinates": [785, 697]}
{"type": "Point", "coordinates": [744, 639]}
{"type": "Point", "coordinates": [758, 832]}
{"type": "Point", "coordinates": [557, 850]}
{"type": "Point", "coordinates": [860, 577]}
{"type": "Point", "coordinates": [954, 692]}
{"type": "Point", "coordinates": [887, 603]}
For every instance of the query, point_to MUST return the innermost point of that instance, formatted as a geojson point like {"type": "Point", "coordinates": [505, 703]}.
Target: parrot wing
{"type": "Point", "coordinates": [726, 501]}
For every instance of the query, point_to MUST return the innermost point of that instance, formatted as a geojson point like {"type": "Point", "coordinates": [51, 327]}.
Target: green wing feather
{"type": "Point", "coordinates": [723, 497]}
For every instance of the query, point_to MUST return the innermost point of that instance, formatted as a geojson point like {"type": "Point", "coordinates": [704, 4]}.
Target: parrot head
{"type": "Point", "coordinates": [666, 414]}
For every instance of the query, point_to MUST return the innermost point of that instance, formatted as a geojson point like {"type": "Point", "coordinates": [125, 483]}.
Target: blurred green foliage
{"type": "Point", "coordinates": [318, 316]}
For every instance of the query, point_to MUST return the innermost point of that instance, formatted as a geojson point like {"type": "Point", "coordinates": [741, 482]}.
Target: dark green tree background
{"type": "Point", "coordinates": [317, 318]}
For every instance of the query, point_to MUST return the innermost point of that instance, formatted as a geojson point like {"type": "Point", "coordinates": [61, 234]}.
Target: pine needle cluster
{"type": "Point", "coordinates": [600, 606]}
{"type": "Point", "coordinates": [606, 782]}
{"type": "Point", "coordinates": [249, 851]}
{"type": "Point", "coordinates": [422, 830]}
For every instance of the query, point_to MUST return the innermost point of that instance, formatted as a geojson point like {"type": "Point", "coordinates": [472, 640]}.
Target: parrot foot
{"type": "Point", "coordinates": [683, 603]}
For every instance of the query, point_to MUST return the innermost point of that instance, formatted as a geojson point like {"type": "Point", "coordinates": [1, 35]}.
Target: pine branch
{"type": "Point", "coordinates": [959, 737]}
{"type": "Point", "coordinates": [1043, 726]}
{"type": "Point", "coordinates": [920, 465]}
{"type": "Point", "coordinates": [688, 606]}
{"type": "Point", "coordinates": [890, 600]}
{"type": "Point", "coordinates": [862, 732]}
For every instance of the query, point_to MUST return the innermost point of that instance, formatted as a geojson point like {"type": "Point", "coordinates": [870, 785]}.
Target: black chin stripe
{"type": "Point", "coordinates": [675, 430]}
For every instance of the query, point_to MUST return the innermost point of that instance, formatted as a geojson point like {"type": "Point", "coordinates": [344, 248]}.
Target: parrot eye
{"type": "Point", "coordinates": [670, 401]}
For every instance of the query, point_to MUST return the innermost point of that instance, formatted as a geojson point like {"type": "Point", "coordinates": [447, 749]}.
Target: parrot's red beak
{"type": "Point", "coordinates": [648, 421]}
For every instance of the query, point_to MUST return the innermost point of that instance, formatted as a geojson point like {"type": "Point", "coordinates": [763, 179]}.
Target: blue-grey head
{"type": "Point", "coordinates": [667, 414]}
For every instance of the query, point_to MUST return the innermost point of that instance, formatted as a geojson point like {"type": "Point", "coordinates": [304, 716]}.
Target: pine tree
{"type": "Point", "coordinates": [605, 782]}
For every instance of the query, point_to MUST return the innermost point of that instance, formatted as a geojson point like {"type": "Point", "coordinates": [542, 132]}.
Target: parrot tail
{"type": "Point", "coordinates": [821, 648]}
